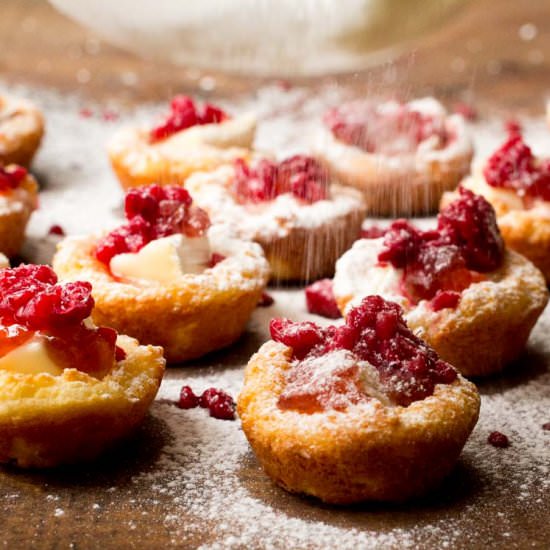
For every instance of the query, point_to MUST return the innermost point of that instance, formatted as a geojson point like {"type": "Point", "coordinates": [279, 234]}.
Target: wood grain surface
{"type": "Point", "coordinates": [478, 57]}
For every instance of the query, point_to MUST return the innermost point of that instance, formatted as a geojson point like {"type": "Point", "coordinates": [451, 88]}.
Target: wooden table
{"type": "Point", "coordinates": [113, 503]}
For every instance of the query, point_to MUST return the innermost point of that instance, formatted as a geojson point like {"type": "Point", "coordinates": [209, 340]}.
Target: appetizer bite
{"type": "Point", "coordinates": [166, 277]}
{"type": "Point", "coordinates": [21, 130]}
{"type": "Point", "coordinates": [69, 389]}
{"type": "Point", "coordinates": [18, 199]}
{"type": "Point", "coordinates": [470, 298]}
{"type": "Point", "coordinates": [363, 411]}
{"type": "Point", "coordinates": [517, 184]}
{"type": "Point", "coordinates": [302, 220]}
{"type": "Point", "coordinates": [189, 139]}
{"type": "Point", "coordinates": [401, 156]}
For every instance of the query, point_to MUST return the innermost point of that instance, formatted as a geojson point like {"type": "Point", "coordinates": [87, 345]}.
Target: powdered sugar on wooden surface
{"type": "Point", "coordinates": [188, 477]}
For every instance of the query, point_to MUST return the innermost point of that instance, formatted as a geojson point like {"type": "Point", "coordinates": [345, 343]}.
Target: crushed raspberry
{"type": "Point", "coordinates": [31, 302]}
{"type": "Point", "coordinates": [219, 403]}
{"type": "Point", "coordinates": [120, 354]}
{"type": "Point", "coordinates": [386, 131]}
{"type": "Point", "coordinates": [188, 399]}
{"type": "Point", "coordinates": [302, 176]}
{"type": "Point", "coordinates": [266, 300]}
{"type": "Point", "coordinates": [109, 115]}
{"type": "Point", "coordinates": [56, 230]}
{"type": "Point", "coordinates": [546, 426]}
{"type": "Point", "coordinates": [470, 223]}
{"type": "Point", "coordinates": [498, 439]}
{"type": "Point", "coordinates": [185, 114]}
{"type": "Point", "coordinates": [373, 232]}
{"type": "Point", "coordinates": [514, 166]}
{"type": "Point", "coordinates": [11, 177]}
{"type": "Point", "coordinates": [466, 244]}
{"type": "Point", "coordinates": [513, 127]}
{"type": "Point", "coordinates": [153, 212]}
{"type": "Point", "coordinates": [444, 299]}
{"type": "Point", "coordinates": [320, 299]}
{"type": "Point", "coordinates": [86, 113]}
{"type": "Point", "coordinates": [215, 259]}
{"type": "Point", "coordinates": [375, 332]}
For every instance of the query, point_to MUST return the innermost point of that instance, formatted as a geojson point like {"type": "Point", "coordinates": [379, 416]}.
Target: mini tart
{"type": "Point", "coordinates": [48, 420]}
{"type": "Point", "coordinates": [21, 130]}
{"type": "Point", "coordinates": [137, 161]}
{"type": "Point", "coordinates": [301, 241]}
{"type": "Point", "coordinates": [372, 449]}
{"type": "Point", "coordinates": [486, 330]}
{"type": "Point", "coordinates": [405, 183]}
{"type": "Point", "coordinates": [189, 317]}
{"type": "Point", "coordinates": [16, 207]}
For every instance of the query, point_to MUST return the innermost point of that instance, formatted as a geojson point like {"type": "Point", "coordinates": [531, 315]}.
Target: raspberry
{"type": "Point", "coordinates": [266, 300]}
{"type": "Point", "coordinates": [514, 166]}
{"type": "Point", "coordinates": [320, 299]}
{"type": "Point", "coordinates": [376, 332]}
{"type": "Point", "coordinates": [215, 259]}
{"type": "Point", "coordinates": [470, 222]}
{"type": "Point", "coordinates": [467, 110]}
{"type": "Point", "coordinates": [185, 114]}
{"type": "Point", "coordinates": [153, 212]}
{"type": "Point", "coordinates": [219, 403]}
{"type": "Point", "coordinates": [373, 232]}
{"type": "Point", "coordinates": [188, 399]}
{"type": "Point", "coordinates": [300, 175]}
{"type": "Point", "coordinates": [56, 230]}
{"type": "Point", "coordinates": [546, 426]}
{"type": "Point", "coordinates": [498, 439]}
{"type": "Point", "coordinates": [11, 177]}
{"type": "Point", "coordinates": [31, 300]}
{"type": "Point", "coordinates": [445, 299]}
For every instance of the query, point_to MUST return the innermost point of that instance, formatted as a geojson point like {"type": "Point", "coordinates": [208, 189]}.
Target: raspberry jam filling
{"type": "Point", "coordinates": [328, 373]}
{"type": "Point", "coordinates": [514, 167]}
{"type": "Point", "coordinates": [302, 176]}
{"type": "Point", "coordinates": [11, 177]}
{"type": "Point", "coordinates": [34, 306]}
{"type": "Point", "coordinates": [439, 264]}
{"type": "Point", "coordinates": [185, 114]}
{"type": "Point", "coordinates": [391, 131]}
{"type": "Point", "coordinates": [153, 212]}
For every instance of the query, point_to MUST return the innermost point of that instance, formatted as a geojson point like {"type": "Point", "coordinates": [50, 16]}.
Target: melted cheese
{"type": "Point", "coordinates": [163, 260]}
{"type": "Point", "coordinates": [30, 358]}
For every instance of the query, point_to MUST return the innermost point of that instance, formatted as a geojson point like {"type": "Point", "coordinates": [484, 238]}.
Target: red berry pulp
{"type": "Point", "coordinates": [466, 244]}
{"type": "Point", "coordinates": [373, 232]}
{"type": "Point", "coordinates": [498, 439]}
{"type": "Point", "coordinates": [11, 177]}
{"type": "Point", "coordinates": [302, 176]}
{"type": "Point", "coordinates": [374, 331]}
{"type": "Point", "coordinates": [32, 304]}
{"type": "Point", "coordinates": [320, 299]}
{"type": "Point", "coordinates": [386, 131]}
{"type": "Point", "coordinates": [266, 300]}
{"type": "Point", "coordinates": [153, 212]}
{"type": "Point", "coordinates": [184, 114]}
{"type": "Point", "coordinates": [56, 230]}
{"type": "Point", "coordinates": [514, 166]}
{"type": "Point", "coordinates": [188, 399]}
{"type": "Point", "coordinates": [219, 403]}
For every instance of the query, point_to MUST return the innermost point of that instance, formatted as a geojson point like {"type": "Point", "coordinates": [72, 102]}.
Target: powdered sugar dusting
{"type": "Point", "coordinates": [190, 480]}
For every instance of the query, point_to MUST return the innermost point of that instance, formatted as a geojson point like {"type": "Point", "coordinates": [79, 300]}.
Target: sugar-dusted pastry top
{"type": "Point", "coordinates": [397, 131]}
{"type": "Point", "coordinates": [267, 198]}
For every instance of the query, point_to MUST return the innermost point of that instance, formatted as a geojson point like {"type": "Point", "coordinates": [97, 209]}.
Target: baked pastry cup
{"type": "Point", "coordinates": [21, 130]}
{"type": "Point", "coordinates": [303, 232]}
{"type": "Point", "coordinates": [522, 208]}
{"type": "Point", "coordinates": [372, 449]}
{"type": "Point", "coordinates": [401, 156]}
{"type": "Point", "coordinates": [168, 155]}
{"type": "Point", "coordinates": [68, 390]}
{"type": "Point", "coordinates": [188, 309]}
{"type": "Point", "coordinates": [479, 320]}
{"type": "Point", "coordinates": [18, 199]}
